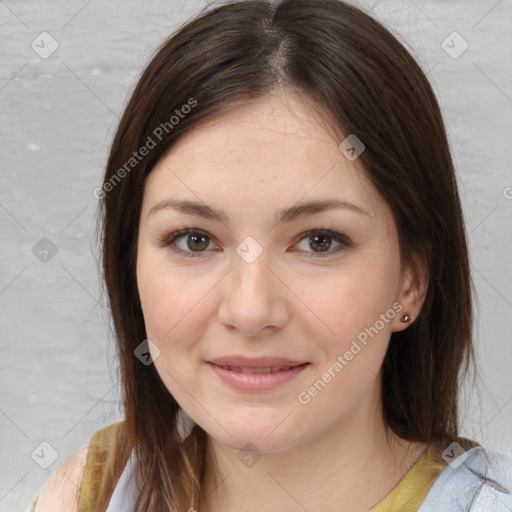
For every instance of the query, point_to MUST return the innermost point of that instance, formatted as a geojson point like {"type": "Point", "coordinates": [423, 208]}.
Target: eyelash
{"type": "Point", "coordinates": [170, 238]}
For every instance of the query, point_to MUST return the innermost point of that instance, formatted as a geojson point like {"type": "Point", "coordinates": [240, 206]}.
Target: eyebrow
{"type": "Point", "coordinates": [297, 211]}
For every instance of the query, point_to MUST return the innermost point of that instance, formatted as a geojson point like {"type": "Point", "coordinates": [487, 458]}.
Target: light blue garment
{"type": "Point", "coordinates": [469, 484]}
{"type": "Point", "coordinates": [123, 498]}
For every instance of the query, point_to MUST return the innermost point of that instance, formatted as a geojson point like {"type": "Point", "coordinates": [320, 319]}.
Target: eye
{"type": "Point", "coordinates": [188, 242]}
{"type": "Point", "coordinates": [195, 242]}
{"type": "Point", "coordinates": [321, 241]}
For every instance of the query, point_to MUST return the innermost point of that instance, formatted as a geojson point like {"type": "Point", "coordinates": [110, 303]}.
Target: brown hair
{"type": "Point", "coordinates": [349, 63]}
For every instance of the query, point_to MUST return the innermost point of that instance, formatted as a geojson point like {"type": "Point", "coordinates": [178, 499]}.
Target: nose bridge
{"type": "Point", "coordinates": [251, 266]}
{"type": "Point", "coordinates": [252, 279]}
{"type": "Point", "coordinates": [253, 276]}
{"type": "Point", "coordinates": [253, 298]}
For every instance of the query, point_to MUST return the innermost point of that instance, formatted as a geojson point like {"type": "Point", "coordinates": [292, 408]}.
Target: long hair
{"type": "Point", "coordinates": [350, 64]}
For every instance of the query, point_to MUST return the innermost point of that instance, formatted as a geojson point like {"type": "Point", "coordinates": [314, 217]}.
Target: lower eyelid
{"type": "Point", "coordinates": [341, 244]}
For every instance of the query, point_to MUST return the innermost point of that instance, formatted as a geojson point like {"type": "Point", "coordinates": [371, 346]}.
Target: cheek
{"type": "Point", "coordinates": [353, 311]}
{"type": "Point", "coordinates": [350, 302]}
{"type": "Point", "coordinates": [155, 298]}
{"type": "Point", "coordinates": [178, 304]}
{"type": "Point", "coordinates": [173, 302]}
{"type": "Point", "coordinates": [353, 344]}
{"type": "Point", "coordinates": [173, 310]}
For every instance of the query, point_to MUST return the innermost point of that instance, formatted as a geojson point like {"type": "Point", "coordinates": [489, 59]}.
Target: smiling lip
{"type": "Point", "coordinates": [256, 374]}
{"type": "Point", "coordinates": [254, 362]}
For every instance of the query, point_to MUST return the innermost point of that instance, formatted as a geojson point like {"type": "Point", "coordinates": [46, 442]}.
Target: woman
{"type": "Point", "coordinates": [287, 269]}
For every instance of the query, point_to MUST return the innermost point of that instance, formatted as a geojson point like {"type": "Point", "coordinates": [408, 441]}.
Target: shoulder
{"type": "Point", "coordinates": [93, 468]}
{"type": "Point", "coordinates": [62, 490]}
{"type": "Point", "coordinates": [478, 478]}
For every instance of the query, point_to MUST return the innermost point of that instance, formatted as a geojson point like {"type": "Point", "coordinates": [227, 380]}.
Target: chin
{"type": "Point", "coordinates": [259, 438]}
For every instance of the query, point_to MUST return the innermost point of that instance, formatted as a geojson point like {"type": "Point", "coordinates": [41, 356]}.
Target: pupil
{"type": "Point", "coordinates": [319, 240]}
{"type": "Point", "coordinates": [196, 242]}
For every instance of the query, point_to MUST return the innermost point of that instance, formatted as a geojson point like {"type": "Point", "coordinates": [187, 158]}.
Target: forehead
{"type": "Point", "coordinates": [279, 148]}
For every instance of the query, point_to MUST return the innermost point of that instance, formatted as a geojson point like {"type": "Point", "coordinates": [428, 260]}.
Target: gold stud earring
{"type": "Point", "coordinates": [406, 318]}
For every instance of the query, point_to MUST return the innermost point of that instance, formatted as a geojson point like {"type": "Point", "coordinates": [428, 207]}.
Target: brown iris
{"type": "Point", "coordinates": [197, 242]}
{"type": "Point", "coordinates": [323, 242]}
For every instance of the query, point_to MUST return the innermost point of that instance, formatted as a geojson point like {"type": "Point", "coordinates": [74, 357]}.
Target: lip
{"type": "Point", "coordinates": [257, 382]}
{"type": "Point", "coordinates": [254, 362]}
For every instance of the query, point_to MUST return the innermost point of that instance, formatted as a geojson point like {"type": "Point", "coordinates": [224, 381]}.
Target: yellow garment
{"type": "Point", "coordinates": [109, 452]}
{"type": "Point", "coordinates": [106, 457]}
{"type": "Point", "coordinates": [411, 491]}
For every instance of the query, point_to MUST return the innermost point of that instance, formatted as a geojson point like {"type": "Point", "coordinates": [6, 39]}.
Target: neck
{"type": "Point", "coordinates": [350, 467]}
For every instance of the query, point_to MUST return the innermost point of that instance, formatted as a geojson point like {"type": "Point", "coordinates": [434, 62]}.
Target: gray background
{"type": "Point", "coordinates": [58, 376]}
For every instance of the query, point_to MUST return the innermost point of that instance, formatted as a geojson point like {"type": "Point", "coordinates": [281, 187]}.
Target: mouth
{"type": "Point", "coordinates": [262, 370]}
{"type": "Point", "coordinates": [256, 378]}
{"type": "Point", "coordinates": [263, 362]}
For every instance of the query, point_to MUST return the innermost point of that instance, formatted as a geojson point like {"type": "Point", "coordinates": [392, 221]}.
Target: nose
{"type": "Point", "coordinates": [254, 299]}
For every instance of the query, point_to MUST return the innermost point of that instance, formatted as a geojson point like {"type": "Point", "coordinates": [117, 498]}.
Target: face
{"type": "Point", "coordinates": [289, 258]}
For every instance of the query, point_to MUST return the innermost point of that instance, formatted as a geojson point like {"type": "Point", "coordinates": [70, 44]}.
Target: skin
{"type": "Point", "coordinates": [60, 492]}
{"type": "Point", "coordinates": [290, 302]}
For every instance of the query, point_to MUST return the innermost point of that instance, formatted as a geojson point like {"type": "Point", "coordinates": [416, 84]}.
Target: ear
{"type": "Point", "coordinates": [411, 294]}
